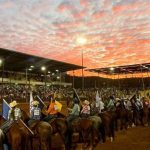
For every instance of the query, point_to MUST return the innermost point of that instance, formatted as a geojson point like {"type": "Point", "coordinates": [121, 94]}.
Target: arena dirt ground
{"type": "Point", "coordinates": [137, 138]}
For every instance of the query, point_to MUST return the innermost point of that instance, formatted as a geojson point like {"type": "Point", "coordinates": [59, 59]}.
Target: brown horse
{"type": "Point", "coordinates": [84, 127]}
{"type": "Point", "coordinates": [59, 125]}
{"type": "Point", "coordinates": [42, 135]}
{"type": "Point", "coordinates": [108, 120]}
{"type": "Point", "coordinates": [18, 136]}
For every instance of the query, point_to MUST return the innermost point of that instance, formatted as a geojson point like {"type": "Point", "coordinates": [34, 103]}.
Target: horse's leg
{"type": "Point", "coordinates": [68, 139]}
{"type": "Point", "coordinates": [103, 134]}
{"type": "Point", "coordinates": [112, 130]}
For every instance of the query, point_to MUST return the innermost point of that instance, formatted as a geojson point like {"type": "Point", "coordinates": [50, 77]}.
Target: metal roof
{"type": "Point", "coordinates": [136, 68]}
{"type": "Point", "coordinates": [19, 62]}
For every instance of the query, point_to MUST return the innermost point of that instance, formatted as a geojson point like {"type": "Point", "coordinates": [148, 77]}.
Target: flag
{"type": "Point", "coordinates": [97, 99]}
{"type": "Point", "coordinates": [41, 103]}
{"type": "Point", "coordinates": [75, 95]}
{"type": "Point", "coordinates": [59, 106]}
{"type": "Point", "coordinates": [5, 109]}
{"type": "Point", "coordinates": [31, 101]}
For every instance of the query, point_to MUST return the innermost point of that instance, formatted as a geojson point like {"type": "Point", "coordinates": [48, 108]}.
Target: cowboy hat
{"type": "Point", "coordinates": [35, 103]}
{"type": "Point", "coordinates": [13, 104]}
{"type": "Point", "coordinates": [86, 102]}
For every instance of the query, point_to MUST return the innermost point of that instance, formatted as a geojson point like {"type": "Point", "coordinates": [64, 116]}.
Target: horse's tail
{"type": "Point", "coordinates": [102, 131]}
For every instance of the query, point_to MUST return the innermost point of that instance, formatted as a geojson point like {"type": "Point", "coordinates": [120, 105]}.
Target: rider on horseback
{"type": "Point", "coordinates": [111, 104]}
{"type": "Point", "coordinates": [138, 104]}
{"type": "Point", "coordinates": [52, 110]}
{"type": "Point", "coordinates": [74, 112]}
{"type": "Point", "coordinates": [85, 112]}
{"type": "Point", "coordinates": [35, 112]}
{"type": "Point", "coordinates": [14, 114]}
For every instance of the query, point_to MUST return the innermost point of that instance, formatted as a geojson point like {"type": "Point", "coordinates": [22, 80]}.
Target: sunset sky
{"type": "Point", "coordinates": [117, 31]}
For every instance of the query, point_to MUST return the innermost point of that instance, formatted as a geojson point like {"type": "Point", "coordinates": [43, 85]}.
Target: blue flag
{"type": "Point", "coordinates": [41, 103]}
{"type": "Point", "coordinates": [5, 109]}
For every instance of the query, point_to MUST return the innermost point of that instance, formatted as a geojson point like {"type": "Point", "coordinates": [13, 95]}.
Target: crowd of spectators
{"type": "Point", "coordinates": [21, 93]}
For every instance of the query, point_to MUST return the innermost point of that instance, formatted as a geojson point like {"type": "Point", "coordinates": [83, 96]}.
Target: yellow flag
{"type": "Point", "coordinates": [59, 105]}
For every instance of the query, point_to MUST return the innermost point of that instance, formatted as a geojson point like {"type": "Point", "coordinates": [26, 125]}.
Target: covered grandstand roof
{"type": "Point", "coordinates": [16, 61]}
{"type": "Point", "coordinates": [137, 68]}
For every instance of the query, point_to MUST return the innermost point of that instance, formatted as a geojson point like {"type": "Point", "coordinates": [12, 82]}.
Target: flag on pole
{"type": "Point", "coordinates": [41, 103]}
{"type": "Point", "coordinates": [75, 95]}
{"type": "Point", "coordinates": [31, 101]}
{"type": "Point", "coordinates": [97, 99]}
{"type": "Point", "coordinates": [59, 106]}
{"type": "Point", "coordinates": [5, 109]}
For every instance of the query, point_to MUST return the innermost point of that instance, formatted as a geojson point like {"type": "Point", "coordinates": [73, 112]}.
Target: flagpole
{"type": "Point", "coordinates": [2, 79]}
{"type": "Point", "coordinates": [142, 77]}
{"type": "Point", "coordinates": [26, 83]}
{"type": "Point", "coordinates": [82, 72]}
{"type": "Point", "coordinates": [73, 80]}
{"type": "Point", "coordinates": [27, 127]}
{"type": "Point", "coordinates": [41, 101]}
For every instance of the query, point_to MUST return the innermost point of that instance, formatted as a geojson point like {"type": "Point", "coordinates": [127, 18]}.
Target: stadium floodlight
{"type": "Point", "coordinates": [43, 68]}
{"type": "Point", "coordinates": [30, 69]}
{"type": "Point", "coordinates": [58, 77]}
{"type": "Point", "coordinates": [112, 68]}
{"type": "Point", "coordinates": [1, 61]}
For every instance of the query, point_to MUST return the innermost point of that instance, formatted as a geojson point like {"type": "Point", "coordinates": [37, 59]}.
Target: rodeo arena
{"type": "Point", "coordinates": [75, 75]}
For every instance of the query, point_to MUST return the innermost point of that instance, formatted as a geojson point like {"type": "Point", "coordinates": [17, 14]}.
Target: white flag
{"type": "Point", "coordinates": [31, 101]}
{"type": "Point", "coordinates": [97, 99]}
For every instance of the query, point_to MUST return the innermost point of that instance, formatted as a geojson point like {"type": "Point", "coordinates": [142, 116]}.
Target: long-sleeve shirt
{"type": "Point", "coordinates": [14, 114]}
{"type": "Point", "coordinates": [85, 110]}
{"type": "Point", "coordinates": [52, 110]}
{"type": "Point", "coordinates": [75, 110]}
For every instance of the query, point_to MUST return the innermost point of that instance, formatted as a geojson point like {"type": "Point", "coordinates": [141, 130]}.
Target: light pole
{"type": "Point", "coordinates": [43, 68]}
{"type": "Point", "coordinates": [82, 41]}
{"type": "Point", "coordinates": [2, 65]}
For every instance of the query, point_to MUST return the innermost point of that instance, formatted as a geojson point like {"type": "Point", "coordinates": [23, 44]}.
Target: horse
{"type": "Point", "coordinates": [108, 122]}
{"type": "Point", "coordinates": [59, 125]}
{"type": "Point", "coordinates": [98, 129]}
{"type": "Point", "coordinates": [17, 135]}
{"type": "Point", "coordinates": [121, 114]}
{"type": "Point", "coordinates": [84, 128]}
{"type": "Point", "coordinates": [42, 135]}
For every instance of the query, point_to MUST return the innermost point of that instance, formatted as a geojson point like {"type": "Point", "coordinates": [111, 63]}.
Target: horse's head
{"type": "Point", "coordinates": [24, 116]}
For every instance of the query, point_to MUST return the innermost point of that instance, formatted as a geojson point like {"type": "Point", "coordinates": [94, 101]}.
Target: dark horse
{"type": "Point", "coordinates": [121, 115]}
{"type": "Point", "coordinates": [108, 121]}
